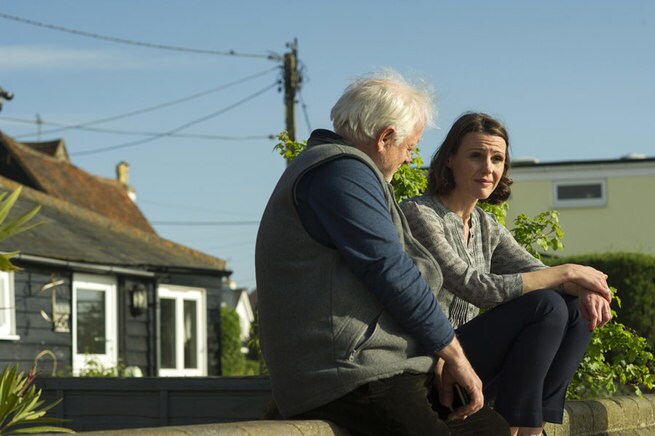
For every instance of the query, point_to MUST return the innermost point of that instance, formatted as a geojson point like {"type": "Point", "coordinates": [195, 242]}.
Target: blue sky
{"type": "Point", "coordinates": [573, 80]}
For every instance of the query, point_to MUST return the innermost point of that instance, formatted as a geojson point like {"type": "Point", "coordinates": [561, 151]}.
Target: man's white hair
{"type": "Point", "coordinates": [379, 100]}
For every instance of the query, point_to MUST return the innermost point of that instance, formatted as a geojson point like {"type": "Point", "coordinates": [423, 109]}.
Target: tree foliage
{"type": "Point", "coordinates": [233, 361]}
{"type": "Point", "coordinates": [409, 180]}
{"type": "Point", "coordinates": [14, 227]}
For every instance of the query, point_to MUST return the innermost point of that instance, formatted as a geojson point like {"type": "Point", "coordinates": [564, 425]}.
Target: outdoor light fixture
{"type": "Point", "coordinates": [138, 299]}
{"type": "Point", "coordinates": [5, 95]}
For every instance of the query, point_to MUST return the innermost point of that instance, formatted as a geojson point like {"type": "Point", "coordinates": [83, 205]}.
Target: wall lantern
{"type": "Point", "coordinates": [138, 299]}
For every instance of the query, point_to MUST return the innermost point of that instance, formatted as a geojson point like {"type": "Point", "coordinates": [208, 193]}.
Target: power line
{"type": "Point", "coordinates": [134, 132]}
{"type": "Point", "coordinates": [204, 223]}
{"type": "Point", "coordinates": [304, 111]}
{"type": "Point", "coordinates": [179, 128]}
{"type": "Point", "coordinates": [273, 57]}
{"type": "Point", "coordinates": [151, 108]}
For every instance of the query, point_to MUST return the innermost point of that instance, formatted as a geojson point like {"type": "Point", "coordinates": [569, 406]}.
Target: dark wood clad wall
{"type": "Point", "coordinates": [36, 334]}
{"type": "Point", "coordinates": [136, 335]}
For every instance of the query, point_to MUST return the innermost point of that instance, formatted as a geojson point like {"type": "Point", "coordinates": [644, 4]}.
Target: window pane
{"type": "Point", "coordinates": [167, 332]}
{"type": "Point", "coordinates": [190, 336]}
{"type": "Point", "coordinates": [91, 335]}
{"type": "Point", "coordinates": [578, 192]}
{"type": "Point", "coordinates": [6, 305]}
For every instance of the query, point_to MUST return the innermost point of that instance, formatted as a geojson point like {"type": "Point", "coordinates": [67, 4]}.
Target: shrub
{"type": "Point", "coordinates": [20, 405]}
{"type": "Point", "coordinates": [233, 361]}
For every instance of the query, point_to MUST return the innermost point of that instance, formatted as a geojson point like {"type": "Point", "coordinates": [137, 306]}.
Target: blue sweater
{"type": "Point", "coordinates": [342, 205]}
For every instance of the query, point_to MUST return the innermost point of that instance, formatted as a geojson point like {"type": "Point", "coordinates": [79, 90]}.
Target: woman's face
{"type": "Point", "coordinates": [478, 165]}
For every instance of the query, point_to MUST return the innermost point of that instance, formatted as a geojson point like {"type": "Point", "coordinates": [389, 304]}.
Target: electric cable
{"type": "Point", "coordinates": [304, 111]}
{"type": "Point", "coordinates": [204, 223]}
{"type": "Point", "coordinates": [138, 133]}
{"type": "Point", "coordinates": [274, 57]}
{"type": "Point", "coordinates": [179, 128]}
{"type": "Point", "coordinates": [151, 108]}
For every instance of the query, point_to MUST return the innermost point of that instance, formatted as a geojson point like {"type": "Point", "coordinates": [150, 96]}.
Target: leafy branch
{"type": "Point", "coordinates": [21, 405]}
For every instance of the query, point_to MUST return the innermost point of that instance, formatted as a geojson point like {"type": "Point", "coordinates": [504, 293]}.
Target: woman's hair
{"type": "Point", "coordinates": [440, 177]}
{"type": "Point", "coordinates": [374, 102]}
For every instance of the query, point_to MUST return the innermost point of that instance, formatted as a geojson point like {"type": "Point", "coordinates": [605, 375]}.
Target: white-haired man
{"type": "Point", "coordinates": [349, 325]}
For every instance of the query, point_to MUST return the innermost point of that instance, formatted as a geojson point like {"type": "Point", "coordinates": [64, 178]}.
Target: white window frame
{"type": "Point", "coordinates": [106, 284]}
{"type": "Point", "coordinates": [181, 294]}
{"type": "Point", "coordinates": [580, 202]}
{"type": "Point", "coordinates": [8, 307]}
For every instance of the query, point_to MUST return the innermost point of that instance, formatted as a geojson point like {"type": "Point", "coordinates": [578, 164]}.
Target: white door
{"type": "Point", "coordinates": [182, 331]}
{"type": "Point", "coordinates": [94, 321]}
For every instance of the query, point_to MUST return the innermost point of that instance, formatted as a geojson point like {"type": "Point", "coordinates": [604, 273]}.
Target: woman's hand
{"type": "Point", "coordinates": [574, 278]}
{"type": "Point", "coordinates": [589, 278]}
{"type": "Point", "coordinates": [594, 308]}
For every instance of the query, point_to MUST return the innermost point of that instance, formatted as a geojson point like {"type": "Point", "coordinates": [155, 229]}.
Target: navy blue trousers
{"type": "Point", "coordinates": [526, 352]}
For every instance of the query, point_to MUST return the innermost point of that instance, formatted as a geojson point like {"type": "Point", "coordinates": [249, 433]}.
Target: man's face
{"type": "Point", "coordinates": [392, 156]}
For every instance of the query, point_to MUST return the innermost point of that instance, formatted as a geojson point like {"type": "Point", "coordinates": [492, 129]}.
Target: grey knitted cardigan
{"type": "Point", "coordinates": [323, 332]}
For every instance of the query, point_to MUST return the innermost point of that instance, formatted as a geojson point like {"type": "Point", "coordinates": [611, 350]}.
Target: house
{"type": "Point", "coordinates": [604, 205]}
{"type": "Point", "coordinates": [239, 300]}
{"type": "Point", "coordinates": [98, 285]}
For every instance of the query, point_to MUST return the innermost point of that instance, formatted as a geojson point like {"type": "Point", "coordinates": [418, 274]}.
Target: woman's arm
{"type": "Point", "coordinates": [514, 271]}
{"type": "Point", "coordinates": [460, 278]}
{"type": "Point", "coordinates": [574, 278]}
{"type": "Point", "coordinates": [510, 256]}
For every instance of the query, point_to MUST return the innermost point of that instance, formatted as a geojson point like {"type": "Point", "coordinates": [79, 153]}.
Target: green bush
{"type": "Point", "coordinates": [233, 361]}
{"type": "Point", "coordinates": [620, 357]}
{"type": "Point", "coordinates": [255, 356]}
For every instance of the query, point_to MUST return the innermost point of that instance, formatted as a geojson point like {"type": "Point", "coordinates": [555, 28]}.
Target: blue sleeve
{"type": "Point", "coordinates": [342, 205]}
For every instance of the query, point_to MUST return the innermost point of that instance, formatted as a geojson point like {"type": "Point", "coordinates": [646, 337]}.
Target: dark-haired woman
{"type": "Point", "coordinates": [528, 345]}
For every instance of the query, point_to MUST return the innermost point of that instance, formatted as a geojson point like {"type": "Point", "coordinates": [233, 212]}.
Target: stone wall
{"type": "Point", "coordinates": [618, 416]}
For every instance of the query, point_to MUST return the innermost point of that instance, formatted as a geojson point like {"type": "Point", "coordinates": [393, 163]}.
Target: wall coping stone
{"type": "Point", "coordinates": [616, 416]}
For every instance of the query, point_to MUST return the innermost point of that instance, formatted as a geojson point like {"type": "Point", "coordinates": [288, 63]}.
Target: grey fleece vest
{"type": "Point", "coordinates": [323, 333]}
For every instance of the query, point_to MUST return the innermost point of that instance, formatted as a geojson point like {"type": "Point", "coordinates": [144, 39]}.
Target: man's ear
{"type": "Point", "coordinates": [385, 138]}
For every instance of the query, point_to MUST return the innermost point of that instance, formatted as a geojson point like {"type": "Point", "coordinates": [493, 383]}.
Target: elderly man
{"type": "Point", "coordinates": [349, 324]}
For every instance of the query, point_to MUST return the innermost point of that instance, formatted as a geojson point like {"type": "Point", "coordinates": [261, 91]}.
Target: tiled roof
{"type": "Point", "coordinates": [76, 234]}
{"type": "Point", "coordinates": [57, 177]}
{"type": "Point", "coordinates": [55, 148]}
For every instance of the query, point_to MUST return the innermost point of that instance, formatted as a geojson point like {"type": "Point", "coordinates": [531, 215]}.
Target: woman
{"type": "Point", "coordinates": [528, 346]}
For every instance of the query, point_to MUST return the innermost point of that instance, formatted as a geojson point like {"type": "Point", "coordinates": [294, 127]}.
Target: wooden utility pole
{"type": "Point", "coordinates": [291, 81]}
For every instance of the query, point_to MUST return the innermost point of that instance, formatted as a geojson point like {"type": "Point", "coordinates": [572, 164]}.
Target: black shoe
{"type": "Point", "coordinates": [486, 421]}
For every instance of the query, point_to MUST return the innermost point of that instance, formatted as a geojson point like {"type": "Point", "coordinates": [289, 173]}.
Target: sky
{"type": "Point", "coordinates": [572, 80]}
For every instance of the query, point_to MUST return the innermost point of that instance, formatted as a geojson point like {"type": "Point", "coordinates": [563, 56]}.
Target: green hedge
{"type": "Point", "coordinates": [633, 275]}
{"type": "Point", "coordinates": [233, 361]}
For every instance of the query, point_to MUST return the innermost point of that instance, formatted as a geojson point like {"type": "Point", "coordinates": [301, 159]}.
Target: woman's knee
{"type": "Point", "coordinates": [548, 303]}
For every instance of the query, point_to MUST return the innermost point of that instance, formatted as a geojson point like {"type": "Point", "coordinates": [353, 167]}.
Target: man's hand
{"type": "Point", "coordinates": [454, 368]}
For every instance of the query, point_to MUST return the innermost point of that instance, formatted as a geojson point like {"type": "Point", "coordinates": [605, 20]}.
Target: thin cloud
{"type": "Point", "coordinates": [38, 57]}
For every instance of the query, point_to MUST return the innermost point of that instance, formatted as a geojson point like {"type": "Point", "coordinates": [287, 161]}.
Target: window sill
{"type": "Point", "coordinates": [9, 338]}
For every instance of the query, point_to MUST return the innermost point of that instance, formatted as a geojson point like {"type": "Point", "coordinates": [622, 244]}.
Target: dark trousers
{"type": "Point", "coordinates": [526, 352]}
{"type": "Point", "coordinates": [399, 406]}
